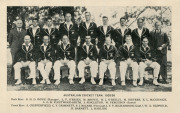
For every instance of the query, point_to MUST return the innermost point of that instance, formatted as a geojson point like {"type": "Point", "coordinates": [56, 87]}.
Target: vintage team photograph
{"type": "Point", "coordinates": [89, 48]}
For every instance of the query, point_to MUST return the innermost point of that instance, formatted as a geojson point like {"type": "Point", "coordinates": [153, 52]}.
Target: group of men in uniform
{"type": "Point", "coordinates": [100, 48]}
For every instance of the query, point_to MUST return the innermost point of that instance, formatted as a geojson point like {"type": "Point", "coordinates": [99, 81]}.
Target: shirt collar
{"type": "Point", "coordinates": [36, 27]}
{"type": "Point", "coordinates": [86, 44]}
{"type": "Point", "coordinates": [43, 44]}
{"type": "Point", "coordinates": [125, 44]}
{"type": "Point", "coordinates": [28, 44]}
{"type": "Point", "coordinates": [70, 23]}
{"type": "Point", "coordinates": [140, 29]}
{"type": "Point", "coordinates": [145, 47]}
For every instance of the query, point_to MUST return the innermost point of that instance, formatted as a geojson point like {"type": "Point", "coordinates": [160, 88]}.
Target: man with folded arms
{"type": "Point", "coordinates": [87, 56]}
{"type": "Point", "coordinates": [128, 57]}
{"type": "Point", "coordinates": [65, 55]}
{"type": "Point", "coordinates": [25, 58]}
{"type": "Point", "coordinates": [45, 57]}
{"type": "Point", "coordinates": [107, 57]}
{"type": "Point", "coordinates": [147, 58]}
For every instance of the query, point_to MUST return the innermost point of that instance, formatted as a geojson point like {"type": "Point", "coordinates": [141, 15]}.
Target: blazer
{"type": "Point", "coordinates": [83, 54]}
{"type": "Point", "coordinates": [149, 54]}
{"type": "Point", "coordinates": [132, 53]}
{"type": "Point", "coordinates": [118, 38]}
{"type": "Point", "coordinates": [136, 38]}
{"type": "Point", "coordinates": [48, 54]}
{"type": "Point", "coordinates": [91, 31]}
{"type": "Point", "coordinates": [108, 54]}
{"type": "Point", "coordinates": [54, 35]}
{"type": "Point", "coordinates": [26, 55]}
{"type": "Point", "coordinates": [36, 39]}
{"type": "Point", "coordinates": [68, 52]}
{"type": "Point", "coordinates": [72, 32]}
{"type": "Point", "coordinates": [101, 35]}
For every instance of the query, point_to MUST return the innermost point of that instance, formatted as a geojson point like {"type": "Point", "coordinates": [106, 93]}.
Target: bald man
{"type": "Point", "coordinates": [16, 38]}
{"type": "Point", "coordinates": [25, 58]}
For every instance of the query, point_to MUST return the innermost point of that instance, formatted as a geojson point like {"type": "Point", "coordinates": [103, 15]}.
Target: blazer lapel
{"type": "Point", "coordinates": [37, 31]}
{"type": "Point", "coordinates": [119, 31]}
{"type": "Point", "coordinates": [136, 31]}
{"type": "Point", "coordinates": [144, 30]}
{"type": "Point", "coordinates": [91, 24]}
{"type": "Point", "coordinates": [108, 29]}
{"type": "Point", "coordinates": [70, 27]}
{"type": "Point", "coordinates": [102, 30]}
{"type": "Point", "coordinates": [84, 25]}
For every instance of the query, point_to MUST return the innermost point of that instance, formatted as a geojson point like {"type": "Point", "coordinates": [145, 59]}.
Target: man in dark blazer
{"type": "Point", "coordinates": [147, 58]}
{"type": "Point", "coordinates": [104, 31]}
{"type": "Point", "coordinates": [50, 31]}
{"type": "Point", "coordinates": [88, 28]}
{"type": "Point", "coordinates": [45, 55]}
{"type": "Point", "coordinates": [160, 42]}
{"type": "Point", "coordinates": [65, 54]}
{"type": "Point", "coordinates": [107, 57]}
{"type": "Point", "coordinates": [87, 56]}
{"type": "Point", "coordinates": [120, 33]}
{"type": "Point", "coordinates": [128, 58]}
{"type": "Point", "coordinates": [139, 33]}
{"type": "Point", "coordinates": [70, 29]}
{"type": "Point", "coordinates": [25, 58]}
{"type": "Point", "coordinates": [35, 32]}
{"type": "Point", "coordinates": [16, 38]}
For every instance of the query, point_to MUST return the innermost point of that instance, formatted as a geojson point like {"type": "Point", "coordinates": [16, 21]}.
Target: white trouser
{"type": "Point", "coordinates": [45, 67]}
{"type": "Point", "coordinates": [103, 67]}
{"type": "Point", "coordinates": [57, 65]}
{"type": "Point", "coordinates": [19, 65]}
{"type": "Point", "coordinates": [123, 68]}
{"type": "Point", "coordinates": [153, 65]}
{"type": "Point", "coordinates": [93, 68]}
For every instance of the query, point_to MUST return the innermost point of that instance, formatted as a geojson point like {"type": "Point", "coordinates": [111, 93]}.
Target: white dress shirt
{"type": "Point", "coordinates": [87, 24]}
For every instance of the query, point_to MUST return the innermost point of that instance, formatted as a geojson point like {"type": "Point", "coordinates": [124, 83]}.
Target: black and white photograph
{"type": "Point", "coordinates": [89, 48]}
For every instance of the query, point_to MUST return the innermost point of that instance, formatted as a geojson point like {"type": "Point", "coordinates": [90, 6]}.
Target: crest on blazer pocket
{"type": "Point", "coordinates": [53, 37]}
{"type": "Point", "coordinates": [132, 54]}
{"type": "Point", "coordinates": [49, 54]}
{"type": "Point", "coordinates": [68, 53]}
{"type": "Point", "coordinates": [111, 54]}
{"type": "Point", "coordinates": [91, 53]}
{"type": "Point", "coordinates": [30, 54]}
{"type": "Point", "coordinates": [149, 54]}
{"type": "Point", "coordinates": [72, 32]}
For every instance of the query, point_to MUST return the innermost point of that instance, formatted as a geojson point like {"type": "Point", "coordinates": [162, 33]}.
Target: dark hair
{"type": "Point", "coordinates": [35, 19]}
{"type": "Point", "coordinates": [128, 36]}
{"type": "Point", "coordinates": [105, 17]}
{"type": "Point", "coordinates": [48, 18]}
{"type": "Point", "coordinates": [87, 12]}
{"type": "Point", "coordinates": [122, 18]}
{"type": "Point", "coordinates": [144, 38]}
{"type": "Point", "coordinates": [140, 19]}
